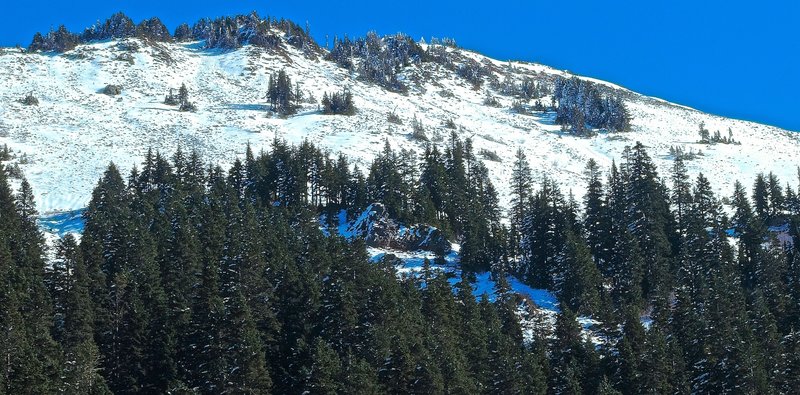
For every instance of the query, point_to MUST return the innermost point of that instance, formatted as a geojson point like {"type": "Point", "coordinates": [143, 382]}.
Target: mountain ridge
{"type": "Point", "coordinates": [80, 129]}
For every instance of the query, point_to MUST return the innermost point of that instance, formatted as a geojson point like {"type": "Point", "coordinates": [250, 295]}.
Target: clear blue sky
{"type": "Point", "coordinates": [733, 58]}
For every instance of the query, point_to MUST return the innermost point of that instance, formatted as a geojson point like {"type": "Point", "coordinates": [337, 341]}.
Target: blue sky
{"type": "Point", "coordinates": [733, 58]}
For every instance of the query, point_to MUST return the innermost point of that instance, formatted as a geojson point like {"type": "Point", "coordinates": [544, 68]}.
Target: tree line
{"type": "Point", "coordinates": [223, 32]}
{"type": "Point", "coordinates": [189, 278]}
{"type": "Point", "coordinates": [719, 292]}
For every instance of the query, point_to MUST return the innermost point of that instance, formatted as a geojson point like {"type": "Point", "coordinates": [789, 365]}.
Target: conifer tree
{"type": "Point", "coordinates": [473, 334]}
{"type": "Point", "coordinates": [360, 378]}
{"type": "Point", "coordinates": [649, 218]}
{"type": "Point", "coordinates": [521, 180]}
{"type": "Point", "coordinates": [75, 321]}
{"type": "Point", "coordinates": [207, 369]}
{"type": "Point", "coordinates": [761, 198]}
{"type": "Point", "coordinates": [570, 357]}
{"type": "Point", "coordinates": [597, 221]}
{"type": "Point", "coordinates": [630, 354]}
{"type": "Point", "coordinates": [777, 201]}
{"type": "Point", "coordinates": [246, 364]}
{"type": "Point", "coordinates": [790, 369]}
{"type": "Point", "coordinates": [326, 369]}
{"type": "Point", "coordinates": [681, 193]}
{"type": "Point", "coordinates": [626, 269]}
{"type": "Point", "coordinates": [502, 377]}
{"type": "Point", "coordinates": [39, 370]}
{"type": "Point", "coordinates": [579, 280]}
{"type": "Point", "coordinates": [21, 372]}
{"type": "Point", "coordinates": [281, 94]}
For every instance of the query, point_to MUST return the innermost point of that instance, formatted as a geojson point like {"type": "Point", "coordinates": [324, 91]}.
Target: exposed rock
{"type": "Point", "coordinates": [380, 231]}
{"type": "Point", "coordinates": [112, 90]}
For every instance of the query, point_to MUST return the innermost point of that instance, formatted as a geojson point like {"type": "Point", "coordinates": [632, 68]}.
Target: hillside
{"type": "Point", "coordinates": [456, 227]}
{"type": "Point", "coordinates": [69, 138]}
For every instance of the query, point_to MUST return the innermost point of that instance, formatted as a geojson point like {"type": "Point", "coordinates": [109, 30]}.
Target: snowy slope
{"type": "Point", "coordinates": [75, 131]}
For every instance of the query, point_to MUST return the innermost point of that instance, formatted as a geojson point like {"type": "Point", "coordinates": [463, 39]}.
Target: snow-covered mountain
{"type": "Point", "coordinates": [75, 131]}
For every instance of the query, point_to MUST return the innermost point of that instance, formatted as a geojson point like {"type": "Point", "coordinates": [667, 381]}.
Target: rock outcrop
{"type": "Point", "coordinates": [380, 231]}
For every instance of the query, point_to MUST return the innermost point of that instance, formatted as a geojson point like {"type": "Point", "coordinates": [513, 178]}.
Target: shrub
{"type": "Point", "coordinates": [392, 117]}
{"type": "Point", "coordinates": [14, 171]}
{"type": "Point", "coordinates": [340, 103]}
{"type": "Point", "coordinates": [680, 152]}
{"type": "Point", "coordinates": [188, 106]}
{"type": "Point", "coordinates": [490, 155]}
{"type": "Point", "coordinates": [472, 71]}
{"type": "Point", "coordinates": [418, 130]}
{"type": "Point", "coordinates": [707, 138]}
{"type": "Point", "coordinates": [518, 107]}
{"type": "Point", "coordinates": [171, 99]}
{"type": "Point", "coordinates": [490, 100]}
{"type": "Point", "coordinates": [30, 100]}
{"type": "Point", "coordinates": [126, 57]}
{"type": "Point", "coordinates": [24, 159]}
{"type": "Point", "coordinates": [5, 153]}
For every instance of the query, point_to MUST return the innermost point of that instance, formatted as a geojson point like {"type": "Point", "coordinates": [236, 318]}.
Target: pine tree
{"type": "Point", "coordinates": [473, 334]}
{"type": "Point", "coordinates": [71, 296]}
{"type": "Point", "coordinates": [38, 370]}
{"type": "Point", "coordinates": [326, 369]}
{"type": "Point", "coordinates": [207, 368]}
{"type": "Point", "coordinates": [580, 284]}
{"type": "Point", "coordinates": [597, 221]}
{"type": "Point", "coordinates": [790, 369]}
{"type": "Point", "coordinates": [360, 378]}
{"type": "Point", "coordinates": [649, 218]}
{"type": "Point", "coordinates": [743, 213]}
{"type": "Point", "coordinates": [626, 270]}
{"type": "Point", "coordinates": [606, 388]}
{"type": "Point", "coordinates": [385, 182]}
{"type": "Point", "coordinates": [502, 376]}
{"type": "Point", "coordinates": [246, 364]}
{"type": "Point", "coordinates": [439, 308]}
{"type": "Point", "coordinates": [18, 363]}
{"type": "Point", "coordinates": [761, 198]}
{"type": "Point", "coordinates": [183, 94]}
{"type": "Point", "coordinates": [681, 193]}
{"type": "Point", "coordinates": [544, 237]}
{"type": "Point", "coordinates": [659, 366]}
{"type": "Point", "coordinates": [520, 193]}
{"type": "Point", "coordinates": [570, 357]}
{"type": "Point", "coordinates": [777, 200]}
{"type": "Point", "coordinates": [281, 95]}
{"type": "Point", "coordinates": [630, 355]}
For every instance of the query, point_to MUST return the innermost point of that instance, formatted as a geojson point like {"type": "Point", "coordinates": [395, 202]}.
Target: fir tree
{"type": "Point", "coordinates": [75, 321]}
{"type": "Point", "coordinates": [597, 221]}
{"type": "Point", "coordinates": [326, 369]}
{"type": "Point", "coordinates": [521, 189]}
